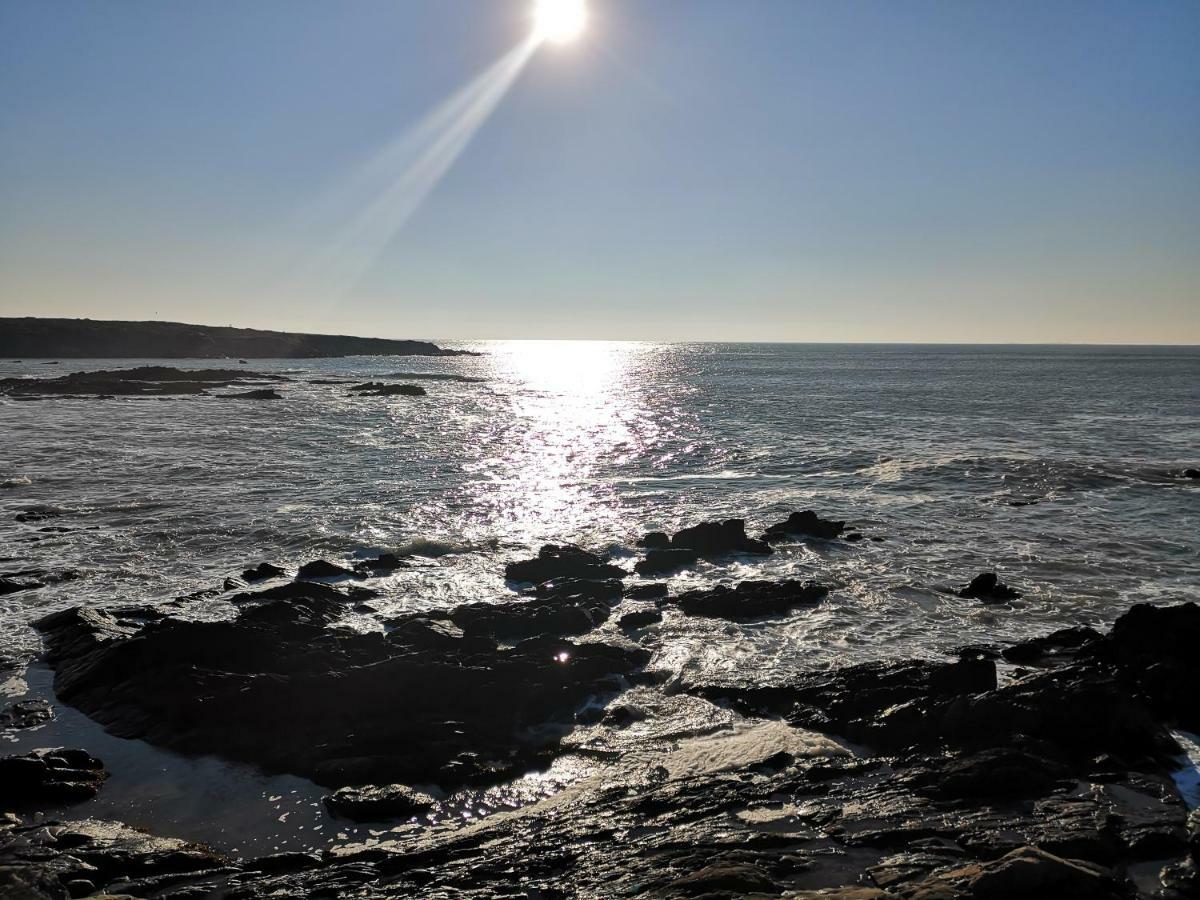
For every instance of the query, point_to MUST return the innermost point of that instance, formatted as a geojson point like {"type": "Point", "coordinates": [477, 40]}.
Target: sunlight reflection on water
{"type": "Point", "coordinates": [574, 406]}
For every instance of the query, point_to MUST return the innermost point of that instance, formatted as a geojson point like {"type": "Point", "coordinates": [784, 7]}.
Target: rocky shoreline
{"type": "Point", "coordinates": [1041, 769]}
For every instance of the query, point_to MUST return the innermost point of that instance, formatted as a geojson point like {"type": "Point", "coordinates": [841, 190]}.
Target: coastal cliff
{"type": "Point", "coordinates": [91, 339]}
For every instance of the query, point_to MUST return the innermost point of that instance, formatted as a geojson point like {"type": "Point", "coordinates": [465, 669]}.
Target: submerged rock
{"type": "Point", "coordinates": [375, 804]}
{"type": "Point", "coordinates": [805, 524]}
{"type": "Point", "coordinates": [751, 599]}
{"type": "Point", "coordinates": [50, 777]}
{"type": "Point", "coordinates": [987, 586]}
{"type": "Point", "coordinates": [563, 561]}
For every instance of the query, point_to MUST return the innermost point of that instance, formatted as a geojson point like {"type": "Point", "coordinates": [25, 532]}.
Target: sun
{"type": "Point", "coordinates": [559, 21]}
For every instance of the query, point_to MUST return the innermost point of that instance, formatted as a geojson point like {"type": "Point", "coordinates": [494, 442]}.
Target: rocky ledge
{"type": "Point", "coordinates": [143, 381]}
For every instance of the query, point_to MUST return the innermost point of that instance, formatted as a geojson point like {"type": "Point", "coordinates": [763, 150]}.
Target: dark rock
{"type": "Point", "coordinates": [1025, 872]}
{"type": "Point", "coordinates": [262, 572]}
{"type": "Point", "coordinates": [622, 716]}
{"type": "Point", "coordinates": [718, 538]}
{"type": "Point", "coordinates": [1055, 647]}
{"type": "Point", "coordinates": [384, 562]}
{"type": "Point", "coordinates": [37, 515]}
{"type": "Point", "coordinates": [647, 592]}
{"type": "Point", "coordinates": [374, 804]}
{"type": "Point", "coordinates": [642, 619]}
{"type": "Point", "coordinates": [664, 562]}
{"type": "Point", "coordinates": [805, 524]}
{"type": "Point", "coordinates": [50, 777]}
{"type": "Point", "coordinates": [264, 394]}
{"type": "Point", "coordinates": [1191, 473]}
{"type": "Point", "coordinates": [143, 381]}
{"type": "Point", "coordinates": [26, 714]}
{"type": "Point", "coordinates": [321, 568]}
{"type": "Point", "coordinates": [655, 540]}
{"type": "Point", "coordinates": [751, 599]}
{"type": "Point", "coordinates": [380, 389]}
{"type": "Point", "coordinates": [998, 772]}
{"type": "Point", "coordinates": [557, 614]}
{"type": "Point", "coordinates": [565, 561]}
{"type": "Point", "coordinates": [1155, 648]}
{"type": "Point", "coordinates": [726, 879]}
{"type": "Point", "coordinates": [987, 586]}
{"type": "Point", "coordinates": [278, 688]}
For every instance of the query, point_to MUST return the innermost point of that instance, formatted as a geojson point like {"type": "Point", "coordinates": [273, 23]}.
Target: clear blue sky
{"type": "Point", "coordinates": [690, 169]}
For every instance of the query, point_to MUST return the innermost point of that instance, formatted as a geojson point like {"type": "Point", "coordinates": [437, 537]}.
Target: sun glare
{"type": "Point", "coordinates": [559, 21]}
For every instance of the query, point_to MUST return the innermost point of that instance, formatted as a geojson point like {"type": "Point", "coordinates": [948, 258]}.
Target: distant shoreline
{"type": "Point", "coordinates": [90, 339]}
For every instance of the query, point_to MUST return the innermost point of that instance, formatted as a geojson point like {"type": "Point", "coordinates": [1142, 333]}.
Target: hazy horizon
{"type": "Point", "coordinates": [688, 170]}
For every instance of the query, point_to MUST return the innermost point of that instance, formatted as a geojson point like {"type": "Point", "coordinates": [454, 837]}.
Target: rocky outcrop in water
{"type": "Point", "coordinates": [380, 389]}
{"type": "Point", "coordinates": [666, 554]}
{"type": "Point", "coordinates": [751, 599]}
{"type": "Point", "coordinates": [563, 561]}
{"type": "Point", "coordinates": [987, 586]}
{"type": "Point", "coordinates": [143, 381]}
{"type": "Point", "coordinates": [804, 524]}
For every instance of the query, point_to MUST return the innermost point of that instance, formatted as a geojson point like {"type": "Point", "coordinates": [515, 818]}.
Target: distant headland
{"type": "Point", "coordinates": [92, 339]}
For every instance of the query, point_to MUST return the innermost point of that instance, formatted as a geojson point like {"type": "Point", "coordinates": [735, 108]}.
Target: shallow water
{"type": "Point", "coordinates": [1057, 467]}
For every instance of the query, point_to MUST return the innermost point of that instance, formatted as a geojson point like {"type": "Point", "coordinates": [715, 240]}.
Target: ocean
{"type": "Point", "coordinates": [1060, 468]}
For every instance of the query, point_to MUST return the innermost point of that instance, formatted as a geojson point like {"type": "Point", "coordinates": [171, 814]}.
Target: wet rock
{"type": "Point", "coordinates": [987, 586]}
{"type": "Point", "coordinates": [375, 804]}
{"type": "Point", "coordinates": [33, 579]}
{"type": "Point", "coordinates": [1155, 648]}
{"type": "Point", "coordinates": [284, 863]}
{"type": "Point", "coordinates": [1191, 473]}
{"type": "Point", "coordinates": [563, 561]}
{"type": "Point", "coordinates": [384, 562]}
{"type": "Point", "coordinates": [1025, 872]}
{"type": "Point", "coordinates": [641, 619]}
{"type": "Point", "coordinates": [26, 714]}
{"type": "Point", "coordinates": [380, 389]}
{"type": "Point", "coordinates": [655, 540]}
{"type": "Point", "coordinates": [805, 524]}
{"type": "Point", "coordinates": [37, 515]}
{"type": "Point", "coordinates": [141, 381]}
{"type": "Point", "coordinates": [751, 599]}
{"type": "Point", "coordinates": [321, 568]}
{"type": "Point", "coordinates": [263, 571]}
{"type": "Point", "coordinates": [278, 688]}
{"type": "Point", "coordinates": [726, 879]}
{"type": "Point", "coordinates": [263, 394]}
{"type": "Point", "coordinates": [1056, 647]}
{"type": "Point", "coordinates": [647, 592]}
{"type": "Point", "coordinates": [718, 539]}
{"type": "Point", "coordinates": [997, 772]}
{"type": "Point", "coordinates": [664, 562]}
{"type": "Point", "coordinates": [562, 615]}
{"type": "Point", "coordinates": [50, 777]}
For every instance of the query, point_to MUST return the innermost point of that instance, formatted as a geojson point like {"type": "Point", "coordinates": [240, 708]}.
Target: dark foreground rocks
{"type": "Point", "coordinates": [804, 524]}
{"type": "Point", "coordinates": [965, 786]}
{"type": "Point", "coordinates": [556, 561]}
{"type": "Point", "coordinates": [49, 778]}
{"type": "Point", "coordinates": [666, 554]}
{"type": "Point", "coordinates": [280, 688]}
{"type": "Point", "coordinates": [988, 587]}
{"type": "Point", "coordinates": [751, 599]}
{"type": "Point", "coordinates": [378, 804]}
